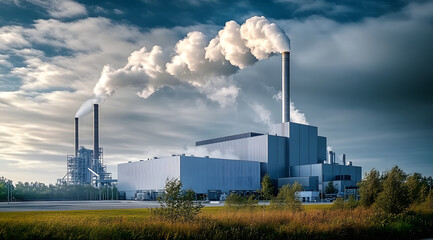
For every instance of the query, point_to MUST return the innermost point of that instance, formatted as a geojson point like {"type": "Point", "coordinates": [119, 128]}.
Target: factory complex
{"type": "Point", "coordinates": [290, 153]}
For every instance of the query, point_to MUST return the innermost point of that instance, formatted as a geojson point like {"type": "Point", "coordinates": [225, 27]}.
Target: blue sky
{"type": "Point", "coordinates": [362, 72]}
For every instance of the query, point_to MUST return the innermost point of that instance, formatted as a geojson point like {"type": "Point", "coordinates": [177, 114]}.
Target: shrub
{"type": "Point", "coordinates": [177, 205]}
{"type": "Point", "coordinates": [287, 198]}
{"type": "Point", "coordinates": [338, 204]}
{"type": "Point", "coordinates": [351, 203]}
{"type": "Point", "coordinates": [235, 201]}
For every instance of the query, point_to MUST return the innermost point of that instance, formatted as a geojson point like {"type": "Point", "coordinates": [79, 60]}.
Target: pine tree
{"type": "Point", "coordinates": [330, 188]}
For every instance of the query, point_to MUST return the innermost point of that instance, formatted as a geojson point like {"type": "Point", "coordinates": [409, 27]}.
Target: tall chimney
{"type": "Point", "coordinates": [344, 159]}
{"type": "Point", "coordinates": [95, 133]}
{"type": "Point", "coordinates": [76, 137]}
{"type": "Point", "coordinates": [285, 89]}
{"type": "Point", "coordinates": [330, 157]}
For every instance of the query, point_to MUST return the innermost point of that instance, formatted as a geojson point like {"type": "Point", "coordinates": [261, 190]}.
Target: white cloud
{"type": "Point", "coordinates": [61, 8]}
{"type": "Point", "coordinates": [10, 37]}
{"type": "Point", "coordinates": [4, 61]}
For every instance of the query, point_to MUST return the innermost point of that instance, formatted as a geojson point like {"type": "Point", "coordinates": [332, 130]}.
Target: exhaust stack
{"type": "Point", "coordinates": [344, 159]}
{"type": "Point", "coordinates": [285, 88]}
{"type": "Point", "coordinates": [76, 137]}
{"type": "Point", "coordinates": [95, 133]}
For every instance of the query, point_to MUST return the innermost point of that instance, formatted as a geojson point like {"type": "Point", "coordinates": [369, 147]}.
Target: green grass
{"type": "Point", "coordinates": [316, 222]}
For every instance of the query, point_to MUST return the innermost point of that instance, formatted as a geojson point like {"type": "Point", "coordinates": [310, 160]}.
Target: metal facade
{"type": "Point", "coordinates": [251, 149]}
{"type": "Point", "coordinates": [196, 173]}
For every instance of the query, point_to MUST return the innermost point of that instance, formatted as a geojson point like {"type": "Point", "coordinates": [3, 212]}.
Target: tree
{"type": "Point", "coordinates": [3, 189]}
{"type": "Point", "coordinates": [287, 198]}
{"type": "Point", "coordinates": [267, 191]}
{"type": "Point", "coordinates": [330, 188]}
{"type": "Point", "coordinates": [370, 187]}
{"type": "Point", "coordinates": [417, 188]}
{"type": "Point", "coordinates": [176, 204]}
{"type": "Point", "coordinates": [394, 197]}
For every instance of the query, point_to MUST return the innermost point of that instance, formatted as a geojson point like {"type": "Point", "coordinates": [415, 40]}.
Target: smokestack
{"type": "Point", "coordinates": [330, 157]}
{"type": "Point", "coordinates": [95, 132]}
{"type": "Point", "coordinates": [76, 137]}
{"type": "Point", "coordinates": [344, 159]}
{"type": "Point", "coordinates": [285, 88]}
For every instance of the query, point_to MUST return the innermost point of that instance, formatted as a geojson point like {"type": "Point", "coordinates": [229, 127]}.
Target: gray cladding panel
{"type": "Point", "coordinates": [312, 145]}
{"type": "Point", "coordinates": [304, 151]}
{"type": "Point", "coordinates": [321, 149]}
{"type": "Point", "coordinates": [251, 149]}
{"type": "Point", "coordinates": [147, 175]}
{"type": "Point", "coordinates": [203, 174]}
{"type": "Point", "coordinates": [294, 144]}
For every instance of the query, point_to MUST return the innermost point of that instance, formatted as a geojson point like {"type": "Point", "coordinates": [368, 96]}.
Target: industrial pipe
{"type": "Point", "coordinates": [285, 88]}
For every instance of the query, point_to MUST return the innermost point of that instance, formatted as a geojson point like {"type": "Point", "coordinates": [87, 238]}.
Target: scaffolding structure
{"type": "Point", "coordinates": [84, 169]}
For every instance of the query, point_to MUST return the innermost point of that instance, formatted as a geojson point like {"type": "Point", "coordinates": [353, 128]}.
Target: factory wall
{"type": "Point", "coordinates": [196, 173]}
{"type": "Point", "coordinates": [304, 145]}
{"type": "Point", "coordinates": [278, 163]}
{"type": "Point", "coordinates": [268, 149]}
{"type": "Point", "coordinates": [147, 175]}
{"type": "Point", "coordinates": [309, 183]}
{"type": "Point", "coordinates": [251, 148]}
{"type": "Point", "coordinates": [321, 149]}
{"type": "Point", "coordinates": [327, 172]}
{"type": "Point", "coordinates": [203, 174]}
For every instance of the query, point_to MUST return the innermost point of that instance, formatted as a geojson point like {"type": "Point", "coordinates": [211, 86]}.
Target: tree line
{"type": "Point", "coordinates": [394, 191]}
{"type": "Point", "coordinates": [39, 191]}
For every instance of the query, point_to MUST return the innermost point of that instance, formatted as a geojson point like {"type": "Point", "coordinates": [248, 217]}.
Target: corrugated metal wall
{"type": "Point", "coordinates": [196, 173]}
{"type": "Point", "coordinates": [251, 149]}
{"type": "Point", "coordinates": [147, 175]}
{"type": "Point", "coordinates": [203, 174]}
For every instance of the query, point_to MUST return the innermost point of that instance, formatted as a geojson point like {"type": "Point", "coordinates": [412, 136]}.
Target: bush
{"type": "Point", "coordinates": [235, 201]}
{"type": "Point", "coordinates": [177, 205]}
{"type": "Point", "coordinates": [338, 204]}
{"type": "Point", "coordinates": [351, 203]}
{"type": "Point", "coordinates": [287, 198]}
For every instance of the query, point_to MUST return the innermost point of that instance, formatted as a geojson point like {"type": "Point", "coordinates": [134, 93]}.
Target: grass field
{"type": "Point", "coordinates": [316, 222]}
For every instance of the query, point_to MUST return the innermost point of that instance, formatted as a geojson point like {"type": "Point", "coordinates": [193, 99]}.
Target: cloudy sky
{"type": "Point", "coordinates": [362, 72]}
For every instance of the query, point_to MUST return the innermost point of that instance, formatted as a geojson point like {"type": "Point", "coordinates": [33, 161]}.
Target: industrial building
{"type": "Point", "coordinates": [291, 153]}
{"type": "Point", "coordinates": [86, 166]}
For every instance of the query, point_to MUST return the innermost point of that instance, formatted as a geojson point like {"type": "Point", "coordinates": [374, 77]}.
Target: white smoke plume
{"type": "Point", "coordinates": [263, 115]}
{"type": "Point", "coordinates": [198, 60]}
{"type": "Point", "coordinates": [295, 115]}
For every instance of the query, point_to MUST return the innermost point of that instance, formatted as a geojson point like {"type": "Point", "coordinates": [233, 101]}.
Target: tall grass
{"type": "Point", "coordinates": [218, 223]}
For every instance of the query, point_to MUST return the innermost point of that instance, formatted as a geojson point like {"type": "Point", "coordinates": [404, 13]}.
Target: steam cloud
{"type": "Point", "coordinates": [203, 63]}
{"type": "Point", "coordinates": [295, 115]}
